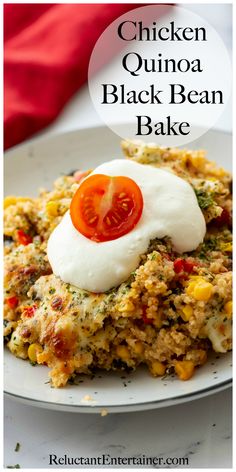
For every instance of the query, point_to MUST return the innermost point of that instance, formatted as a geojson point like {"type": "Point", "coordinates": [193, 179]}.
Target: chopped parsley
{"type": "Point", "coordinates": [209, 245]}
{"type": "Point", "coordinates": [17, 448]}
{"type": "Point", "coordinates": [17, 466]}
{"type": "Point", "coordinates": [153, 256]}
{"type": "Point", "coordinates": [205, 200]}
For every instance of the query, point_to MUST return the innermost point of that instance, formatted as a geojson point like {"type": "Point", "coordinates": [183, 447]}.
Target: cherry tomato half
{"type": "Point", "coordinates": [105, 208]}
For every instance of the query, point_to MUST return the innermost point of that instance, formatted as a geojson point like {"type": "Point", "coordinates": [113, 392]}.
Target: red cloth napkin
{"type": "Point", "coordinates": [46, 54]}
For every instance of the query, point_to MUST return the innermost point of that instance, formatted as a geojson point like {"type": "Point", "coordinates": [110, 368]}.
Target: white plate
{"type": "Point", "coordinates": [37, 164]}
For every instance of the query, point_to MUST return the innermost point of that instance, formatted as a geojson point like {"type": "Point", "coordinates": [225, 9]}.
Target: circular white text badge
{"type": "Point", "coordinates": [168, 79]}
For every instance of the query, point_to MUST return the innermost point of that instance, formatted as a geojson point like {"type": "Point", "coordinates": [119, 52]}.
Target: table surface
{"type": "Point", "coordinates": [198, 430]}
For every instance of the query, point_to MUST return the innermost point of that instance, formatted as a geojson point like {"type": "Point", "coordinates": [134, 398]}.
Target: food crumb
{"type": "Point", "coordinates": [104, 412]}
{"type": "Point", "coordinates": [16, 466]}
{"type": "Point", "coordinates": [87, 398]}
{"type": "Point", "coordinates": [17, 448]}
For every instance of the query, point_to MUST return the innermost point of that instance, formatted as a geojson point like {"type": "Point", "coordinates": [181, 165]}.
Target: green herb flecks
{"type": "Point", "coordinates": [17, 448]}
{"type": "Point", "coordinates": [208, 246]}
{"type": "Point", "coordinates": [16, 466]}
{"type": "Point", "coordinates": [205, 200]}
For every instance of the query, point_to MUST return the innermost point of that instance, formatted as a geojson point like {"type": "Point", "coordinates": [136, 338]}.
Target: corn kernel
{"type": "Point", "coordinates": [199, 288]}
{"type": "Point", "coordinates": [157, 368]}
{"type": "Point", "coordinates": [127, 306]}
{"type": "Point", "coordinates": [138, 347]}
{"type": "Point", "coordinates": [226, 247]}
{"type": "Point", "coordinates": [184, 369]}
{"type": "Point", "coordinates": [203, 291]}
{"type": "Point", "coordinates": [52, 208]}
{"type": "Point", "coordinates": [197, 161]}
{"type": "Point", "coordinates": [33, 350]}
{"type": "Point", "coordinates": [122, 352]}
{"type": "Point", "coordinates": [10, 200]}
{"type": "Point", "coordinates": [187, 312]}
{"type": "Point", "coordinates": [190, 288]}
{"type": "Point", "coordinates": [229, 309]}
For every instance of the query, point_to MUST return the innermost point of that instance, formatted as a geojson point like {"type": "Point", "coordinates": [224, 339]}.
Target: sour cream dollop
{"type": "Point", "coordinates": [170, 209]}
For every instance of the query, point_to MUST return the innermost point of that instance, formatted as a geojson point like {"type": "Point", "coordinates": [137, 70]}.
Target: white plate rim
{"type": "Point", "coordinates": [124, 407]}
{"type": "Point", "coordinates": [37, 139]}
